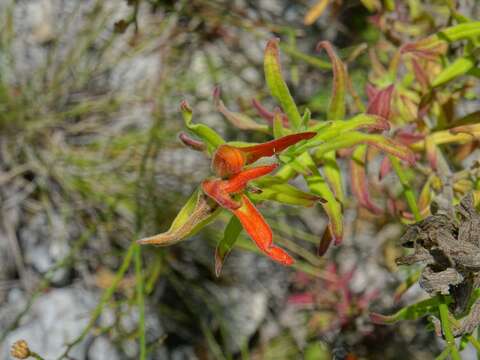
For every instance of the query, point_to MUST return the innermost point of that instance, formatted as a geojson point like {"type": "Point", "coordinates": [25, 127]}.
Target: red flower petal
{"type": "Point", "coordinates": [255, 152]}
{"type": "Point", "coordinates": [260, 232]}
{"type": "Point", "coordinates": [215, 189]}
{"type": "Point", "coordinates": [239, 181]}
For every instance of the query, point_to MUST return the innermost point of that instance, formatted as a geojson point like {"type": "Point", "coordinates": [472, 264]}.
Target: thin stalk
{"type": "Point", "coordinates": [107, 295]}
{"type": "Point", "coordinates": [407, 189]}
{"type": "Point", "coordinates": [443, 355]}
{"type": "Point", "coordinates": [139, 279]}
{"type": "Point", "coordinates": [447, 331]}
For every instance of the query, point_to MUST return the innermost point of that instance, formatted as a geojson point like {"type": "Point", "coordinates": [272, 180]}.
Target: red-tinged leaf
{"type": "Point", "coordinates": [385, 168]}
{"type": "Point", "coordinates": [193, 144]}
{"type": "Point", "coordinates": [380, 319]}
{"type": "Point", "coordinates": [398, 150]}
{"type": "Point", "coordinates": [228, 160]}
{"type": "Point", "coordinates": [420, 75]}
{"type": "Point", "coordinates": [407, 137]}
{"type": "Point", "coordinates": [472, 130]}
{"type": "Point", "coordinates": [353, 138]}
{"type": "Point", "coordinates": [380, 104]}
{"type": "Point", "coordinates": [359, 180]}
{"type": "Point", "coordinates": [336, 108]}
{"type": "Point", "coordinates": [427, 49]}
{"type": "Point", "coordinates": [239, 120]}
{"type": "Point", "coordinates": [260, 232]}
{"type": "Point", "coordinates": [269, 115]}
{"type": "Point", "coordinates": [371, 91]}
{"type": "Point", "coordinates": [301, 299]}
{"type": "Point", "coordinates": [431, 150]}
{"type": "Point", "coordinates": [255, 152]}
{"type": "Point", "coordinates": [325, 241]}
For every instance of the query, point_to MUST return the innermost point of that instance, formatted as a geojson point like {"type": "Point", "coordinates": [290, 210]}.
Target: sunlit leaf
{"type": "Point", "coordinates": [459, 67]}
{"type": "Point", "coordinates": [276, 83]}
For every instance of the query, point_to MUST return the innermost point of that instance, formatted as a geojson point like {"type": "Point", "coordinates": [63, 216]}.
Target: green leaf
{"type": "Point", "coordinates": [318, 186]}
{"type": "Point", "coordinates": [209, 136]}
{"type": "Point", "coordinates": [194, 215]}
{"type": "Point", "coordinates": [354, 138]}
{"type": "Point", "coordinates": [239, 120]}
{"type": "Point", "coordinates": [278, 129]}
{"type": "Point", "coordinates": [459, 67]}
{"type": "Point", "coordinates": [412, 312]}
{"type": "Point", "coordinates": [307, 116]}
{"type": "Point", "coordinates": [336, 108]}
{"type": "Point", "coordinates": [276, 84]}
{"type": "Point", "coordinates": [333, 174]}
{"type": "Point", "coordinates": [230, 236]}
{"type": "Point", "coordinates": [274, 189]}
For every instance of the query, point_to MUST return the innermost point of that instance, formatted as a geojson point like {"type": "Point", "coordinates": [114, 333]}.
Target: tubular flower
{"type": "Point", "coordinates": [227, 190]}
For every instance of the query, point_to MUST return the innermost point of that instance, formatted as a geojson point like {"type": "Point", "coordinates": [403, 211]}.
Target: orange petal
{"type": "Point", "coordinates": [260, 232]}
{"type": "Point", "coordinates": [255, 152]}
{"type": "Point", "coordinates": [215, 189]}
{"type": "Point", "coordinates": [239, 181]}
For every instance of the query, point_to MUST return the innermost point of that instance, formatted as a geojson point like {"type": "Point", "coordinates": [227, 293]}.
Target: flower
{"type": "Point", "coordinates": [229, 164]}
{"type": "Point", "coordinates": [233, 171]}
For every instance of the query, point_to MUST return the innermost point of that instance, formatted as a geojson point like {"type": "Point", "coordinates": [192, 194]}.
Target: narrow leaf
{"type": "Point", "coordinates": [194, 215]}
{"type": "Point", "coordinates": [359, 180]}
{"type": "Point", "coordinates": [459, 67]}
{"type": "Point", "coordinates": [336, 108]}
{"type": "Point", "coordinates": [239, 120]}
{"type": "Point", "coordinates": [209, 136]}
{"type": "Point", "coordinates": [276, 83]}
{"type": "Point", "coordinates": [315, 12]}
{"type": "Point", "coordinates": [230, 236]}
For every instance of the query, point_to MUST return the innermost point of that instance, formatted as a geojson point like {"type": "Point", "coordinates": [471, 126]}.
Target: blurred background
{"type": "Point", "coordinates": [90, 161]}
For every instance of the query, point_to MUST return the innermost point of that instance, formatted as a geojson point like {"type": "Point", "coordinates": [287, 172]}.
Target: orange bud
{"type": "Point", "coordinates": [227, 160]}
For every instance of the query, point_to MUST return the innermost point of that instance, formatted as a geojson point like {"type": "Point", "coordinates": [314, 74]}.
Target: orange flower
{"type": "Point", "coordinates": [227, 189]}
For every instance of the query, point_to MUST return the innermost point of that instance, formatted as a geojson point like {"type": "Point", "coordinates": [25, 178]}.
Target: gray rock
{"type": "Point", "coordinates": [56, 318]}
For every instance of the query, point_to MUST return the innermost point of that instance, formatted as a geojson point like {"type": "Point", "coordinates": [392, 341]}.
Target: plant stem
{"type": "Point", "coordinates": [447, 331]}
{"type": "Point", "coordinates": [140, 300]}
{"type": "Point", "coordinates": [407, 189]}
{"type": "Point", "coordinates": [103, 301]}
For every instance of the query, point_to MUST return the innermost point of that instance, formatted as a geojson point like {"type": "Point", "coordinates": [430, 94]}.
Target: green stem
{"type": "Point", "coordinates": [107, 295]}
{"type": "Point", "coordinates": [407, 189]}
{"type": "Point", "coordinates": [443, 355]}
{"type": "Point", "coordinates": [447, 331]}
{"type": "Point", "coordinates": [140, 301]}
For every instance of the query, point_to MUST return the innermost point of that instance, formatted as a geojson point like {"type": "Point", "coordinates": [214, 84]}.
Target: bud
{"type": "Point", "coordinates": [228, 161]}
{"type": "Point", "coordinates": [20, 350]}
